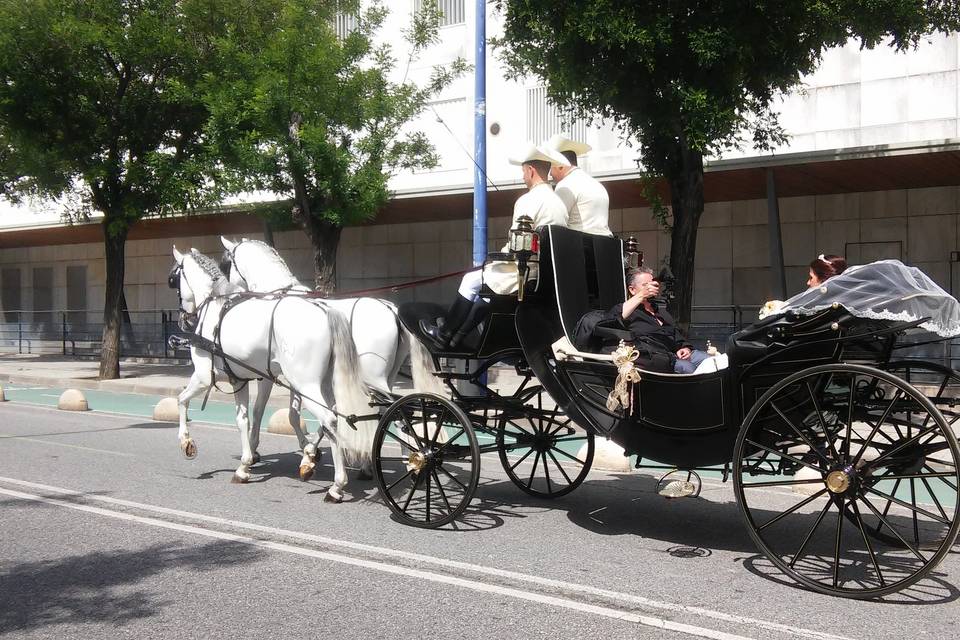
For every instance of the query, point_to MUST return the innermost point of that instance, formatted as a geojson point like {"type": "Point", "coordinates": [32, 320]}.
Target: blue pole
{"type": "Point", "coordinates": [480, 136]}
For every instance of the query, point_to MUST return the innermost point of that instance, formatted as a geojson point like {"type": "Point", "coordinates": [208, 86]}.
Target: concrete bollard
{"type": "Point", "coordinates": [72, 400]}
{"type": "Point", "coordinates": [3, 398]}
{"type": "Point", "coordinates": [167, 410]}
{"type": "Point", "coordinates": [280, 422]}
{"type": "Point", "coordinates": [608, 456]}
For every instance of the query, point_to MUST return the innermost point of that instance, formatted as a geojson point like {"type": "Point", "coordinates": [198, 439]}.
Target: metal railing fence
{"type": "Point", "coordinates": [79, 332]}
{"type": "Point", "coordinates": [146, 333]}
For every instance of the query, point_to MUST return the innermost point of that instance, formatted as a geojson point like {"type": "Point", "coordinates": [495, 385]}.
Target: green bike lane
{"type": "Point", "coordinates": [217, 412]}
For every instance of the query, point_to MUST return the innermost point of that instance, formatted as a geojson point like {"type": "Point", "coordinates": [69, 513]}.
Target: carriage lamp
{"type": "Point", "coordinates": [633, 258]}
{"type": "Point", "coordinates": [524, 243]}
{"type": "Point", "coordinates": [524, 238]}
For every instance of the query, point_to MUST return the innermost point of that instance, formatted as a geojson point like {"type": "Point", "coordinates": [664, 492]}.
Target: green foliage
{"type": "Point", "coordinates": [696, 74]}
{"type": "Point", "coordinates": [98, 99]}
{"type": "Point", "coordinates": [305, 114]}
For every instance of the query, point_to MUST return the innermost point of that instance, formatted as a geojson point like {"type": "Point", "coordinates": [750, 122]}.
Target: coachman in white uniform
{"type": "Point", "coordinates": [543, 206]}
{"type": "Point", "coordinates": [587, 202]}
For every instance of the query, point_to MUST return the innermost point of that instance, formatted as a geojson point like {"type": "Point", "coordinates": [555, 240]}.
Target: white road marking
{"type": "Point", "coordinates": [422, 560]}
{"type": "Point", "coordinates": [406, 572]}
{"type": "Point", "coordinates": [64, 444]}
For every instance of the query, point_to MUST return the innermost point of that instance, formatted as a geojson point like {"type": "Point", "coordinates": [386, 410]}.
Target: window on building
{"type": "Point", "coordinates": [77, 296]}
{"type": "Point", "coordinates": [345, 24]}
{"type": "Point", "coordinates": [544, 119]}
{"type": "Point", "coordinates": [43, 296]}
{"type": "Point", "coordinates": [451, 11]}
{"type": "Point", "coordinates": [10, 293]}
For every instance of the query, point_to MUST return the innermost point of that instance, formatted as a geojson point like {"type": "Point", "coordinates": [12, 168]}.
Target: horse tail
{"type": "Point", "coordinates": [350, 393]}
{"type": "Point", "coordinates": [422, 367]}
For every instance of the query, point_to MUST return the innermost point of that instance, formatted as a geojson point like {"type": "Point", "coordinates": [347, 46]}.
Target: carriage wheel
{"type": "Point", "coordinates": [427, 460]}
{"type": "Point", "coordinates": [939, 383]}
{"type": "Point", "coordinates": [551, 456]}
{"type": "Point", "coordinates": [875, 463]}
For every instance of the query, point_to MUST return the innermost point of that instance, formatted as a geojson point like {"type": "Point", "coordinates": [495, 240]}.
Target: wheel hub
{"type": "Point", "coordinates": [837, 481]}
{"type": "Point", "coordinates": [417, 461]}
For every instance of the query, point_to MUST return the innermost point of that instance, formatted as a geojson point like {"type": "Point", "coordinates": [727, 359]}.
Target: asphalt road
{"type": "Point", "coordinates": [106, 531]}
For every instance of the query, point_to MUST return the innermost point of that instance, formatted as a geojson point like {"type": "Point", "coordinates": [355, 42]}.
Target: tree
{"type": "Point", "coordinates": [688, 78]}
{"type": "Point", "coordinates": [98, 100]}
{"type": "Point", "coordinates": [317, 117]}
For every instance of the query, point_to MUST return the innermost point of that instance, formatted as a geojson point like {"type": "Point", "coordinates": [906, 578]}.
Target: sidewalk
{"type": "Point", "coordinates": [149, 378]}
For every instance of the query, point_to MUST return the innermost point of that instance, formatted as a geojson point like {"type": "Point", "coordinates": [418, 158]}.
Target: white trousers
{"type": "Point", "coordinates": [470, 285]}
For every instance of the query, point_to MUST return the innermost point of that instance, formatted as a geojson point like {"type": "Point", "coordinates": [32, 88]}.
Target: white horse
{"type": "Point", "coordinates": [309, 345]}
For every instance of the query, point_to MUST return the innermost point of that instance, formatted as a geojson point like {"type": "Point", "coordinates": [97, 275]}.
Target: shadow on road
{"type": "Point", "coordinates": [101, 587]}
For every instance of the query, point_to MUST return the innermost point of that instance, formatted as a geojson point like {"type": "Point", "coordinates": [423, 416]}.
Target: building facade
{"type": "Point", "coordinates": [872, 170]}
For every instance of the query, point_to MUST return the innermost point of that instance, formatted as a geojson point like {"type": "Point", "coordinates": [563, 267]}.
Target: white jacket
{"type": "Point", "coordinates": [544, 207]}
{"type": "Point", "coordinates": [587, 202]}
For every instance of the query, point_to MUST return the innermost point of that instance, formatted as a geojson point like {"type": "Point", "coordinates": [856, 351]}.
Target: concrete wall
{"type": "Point", "coordinates": [919, 226]}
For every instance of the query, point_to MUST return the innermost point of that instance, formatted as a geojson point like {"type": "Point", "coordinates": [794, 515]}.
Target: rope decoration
{"type": "Point", "coordinates": [627, 375]}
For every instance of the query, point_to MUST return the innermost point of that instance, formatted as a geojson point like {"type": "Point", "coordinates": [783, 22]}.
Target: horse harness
{"type": "Point", "coordinates": [214, 347]}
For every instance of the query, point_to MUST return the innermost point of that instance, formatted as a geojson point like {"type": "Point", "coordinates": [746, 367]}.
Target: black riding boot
{"type": "Point", "coordinates": [478, 313]}
{"type": "Point", "coordinates": [440, 336]}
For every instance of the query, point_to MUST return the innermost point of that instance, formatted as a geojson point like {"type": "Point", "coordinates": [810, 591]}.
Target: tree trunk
{"type": "Point", "coordinates": [325, 238]}
{"type": "Point", "coordinates": [686, 195]}
{"type": "Point", "coordinates": [112, 316]}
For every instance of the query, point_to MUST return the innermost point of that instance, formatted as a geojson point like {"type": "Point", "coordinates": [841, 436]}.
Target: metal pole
{"type": "Point", "coordinates": [777, 274]}
{"type": "Point", "coordinates": [63, 330]}
{"type": "Point", "coordinates": [480, 136]}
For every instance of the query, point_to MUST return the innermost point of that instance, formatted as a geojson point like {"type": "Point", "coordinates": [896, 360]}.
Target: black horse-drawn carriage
{"type": "Point", "coordinates": [844, 459]}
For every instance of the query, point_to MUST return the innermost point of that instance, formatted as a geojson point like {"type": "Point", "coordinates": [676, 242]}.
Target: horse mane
{"type": "Point", "coordinates": [220, 285]}
{"type": "Point", "coordinates": [273, 257]}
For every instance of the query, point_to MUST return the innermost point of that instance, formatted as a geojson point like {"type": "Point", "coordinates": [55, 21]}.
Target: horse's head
{"type": "Point", "coordinates": [256, 266]}
{"type": "Point", "coordinates": [194, 276]}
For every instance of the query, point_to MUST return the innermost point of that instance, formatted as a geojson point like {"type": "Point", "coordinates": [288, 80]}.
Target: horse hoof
{"type": "Point", "coordinates": [235, 479]}
{"type": "Point", "coordinates": [332, 499]}
{"type": "Point", "coordinates": [363, 474]}
{"type": "Point", "coordinates": [306, 472]}
{"type": "Point", "coordinates": [189, 449]}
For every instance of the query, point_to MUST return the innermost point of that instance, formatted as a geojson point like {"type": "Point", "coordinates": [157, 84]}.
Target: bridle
{"type": "Point", "coordinates": [229, 261]}
{"type": "Point", "coordinates": [188, 320]}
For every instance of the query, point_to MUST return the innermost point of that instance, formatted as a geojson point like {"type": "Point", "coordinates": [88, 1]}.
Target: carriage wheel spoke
{"type": "Point", "coordinates": [413, 490]}
{"type": "Point", "coordinates": [913, 500]}
{"type": "Point", "coordinates": [914, 508]}
{"type": "Point", "coordinates": [876, 427]}
{"type": "Point", "coordinates": [916, 476]}
{"type": "Point", "coordinates": [522, 458]}
{"type": "Point", "coordinates": [546, 473]}
{"type": "Point", "coordinates": [883, 521]}
{"type": "Point", "coordinates": [401, 479]}
{"type": "Point", "coordinates": [944, 478]}
{"type": "Point", "coordinates": [846, 438]}
{"type": "Point", "coordinates": [400, 440]}
{"type": "Point", "coordinates": [559, 426]}
{"type": "Point", "coordinates": [806, 539]}
{"type": "Point", "coordinates": [823, 425]}
{"type": "Point", "coordinates": [446, 444]}
{"type": "Point", "coordinates": [449, 475]}
{"type": "Point", "coordinates": [443, 494]}
{"type": "Point", "coordinates": [792, 509]}
{"type": "Point", "coordinates": [935, 500]}
{"type": "Point", "coordinates": [836, 545]}
{"type": "Point", "coordinates": [557, 464]}
{"type": "Point", "coordinates": [533, 471]}
{"type": "Point", "coordinates": [784, 455]}
{"type": "Point", "coordinates": [436, 434]}
{"type": "Point", "coordinates": [903, 445]}
{"type": "Point", "coordinates": [800, 433]}
{"type": "Point", "coordinates": [412, 430]}
{"type": "Point", "coordinates": [582, 463]}
{"type": "Point", "coordinates": [866, 542]}
{"type": "Point", "coordinates": [426, 482]}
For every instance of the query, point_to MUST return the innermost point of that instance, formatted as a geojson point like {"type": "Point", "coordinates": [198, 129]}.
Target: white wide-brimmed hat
{"type": "Point", "coordinates": [530, 152]}
{"type": "Point", "coordinates": [559, 142]}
